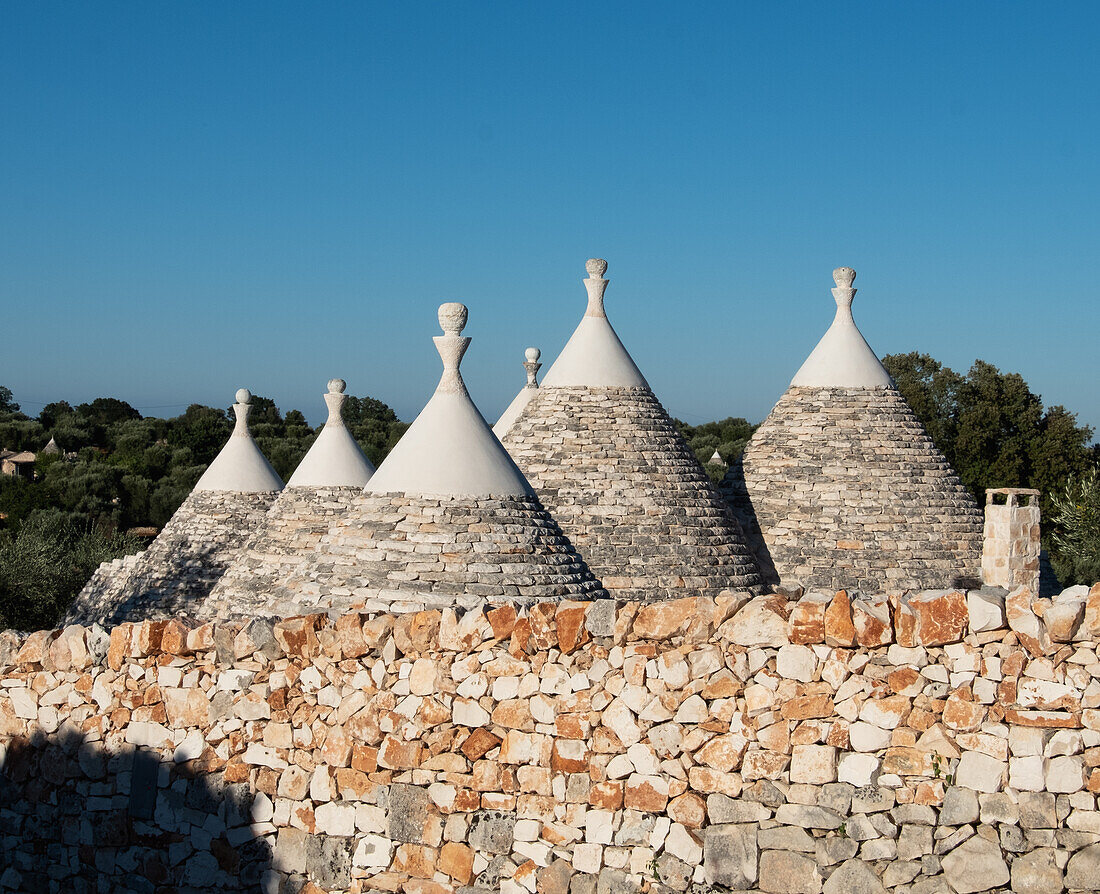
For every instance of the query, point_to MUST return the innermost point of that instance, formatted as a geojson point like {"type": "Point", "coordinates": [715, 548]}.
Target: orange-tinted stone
{"type": "Point", "coordinates": [456, 860]}
{"type": "Point", "coordinates": [940, 618]}
{"type": "Point", "coordinates": [502, 620]}
{"type": "Point", "coordinates": [688, 809]}
{"type": "Point", "coordinates": [479, 743]}
{"type": "Point", "coordinates": [807, 707]}
{"type": "Point", "coordinates": [298, 637]}
{"type": "Point", "coordinates": [806, 624]}
{"type": "Point", "coordinates": [660, 620]}
{"type": "Point", "coordinates": [173, 639]}
{"type": "Point", "coordinates": [606, 795]}
{"type": "Point", "coordinates": [839, 629]}
{"type": "Point", "coordinates": [398, 755]}
{"type": "Point", "coordinates": [571, 631]}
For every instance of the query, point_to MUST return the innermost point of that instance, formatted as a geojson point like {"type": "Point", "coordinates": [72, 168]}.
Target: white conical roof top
{"type": "Point", "coordinates": [449, 450]}
{"type": "Point", "coordinates": [594, 357]}
{"type": "Point", "coordinates": [335, 459]}
{"type": "Point", "coordinates": [843, 359]}
{"type": "Point", "coordinates": [240, 466]}
{"type": "Point", "coordinates": [531, 366]}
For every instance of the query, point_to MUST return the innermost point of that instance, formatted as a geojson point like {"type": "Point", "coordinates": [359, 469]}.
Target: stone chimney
{"type": "Point", "coordinates": [1010, 552]}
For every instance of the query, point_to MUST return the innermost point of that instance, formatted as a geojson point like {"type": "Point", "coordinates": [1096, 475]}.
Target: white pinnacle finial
{"type": "Point", "coordinates": [844, 277]}
{"type": "Point", "coordinates": [844, 293]}
{"type": "Point", "coordinates": [334, 400]}
{"type": "Point", "coordinates": [240, 411]}
{"type": "Point", "coordinates": [452, 344]}
{"type": "Point", "coordinates": [596, 286]}
{"type": "Point", "coordinates": [452, 317]}
{"type": "Point", "coordinates": [532, 366]}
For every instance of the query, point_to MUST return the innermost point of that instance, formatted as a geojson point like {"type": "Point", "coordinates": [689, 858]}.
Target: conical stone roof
{"type": "Point", "coordinates": [841, 487]}
{"type": "Point", "coordinates": [613, 470]}
{"type": "Point", "coordinates": [330, 476]}
{"type": "Point", "coordinates": [448, 518]}
{"type": "Point", "coordinates": [201, 540]}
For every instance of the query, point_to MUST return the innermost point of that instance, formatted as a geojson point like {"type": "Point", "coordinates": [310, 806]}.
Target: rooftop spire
{"type": "Point", "coordinates": [596, 285]}
{"type": "Point", "coordinates": [507, 419]}
{"type": "Point", "coordinates": [532, 366]}
{"type": "Point", "coordinates": [240, 466]}
{"type": "Point", "coordinates": [334, 459]}
{"type": "Point", "coordinates": [842, 359]}
{"type": "Point", "coordinates": [449, 450]}
{"type": "Point", "coordinates": [594, 357]}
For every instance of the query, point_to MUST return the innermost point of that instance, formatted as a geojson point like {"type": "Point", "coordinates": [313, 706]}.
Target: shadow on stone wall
{"type": "Point", "coordinates": [745, 513]}
{"type": "Point", "coordinates": [79, 817]}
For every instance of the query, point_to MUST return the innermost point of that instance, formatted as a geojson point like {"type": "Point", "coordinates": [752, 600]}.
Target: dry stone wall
{"type": "Point", "coordinates": [612, 469]}
{"type": "Point", "coordinates": [842, 487]}
{"type": "Point", "coordinates": [690, 745]}
{"type": "Point", "coordinates": [179, 569]}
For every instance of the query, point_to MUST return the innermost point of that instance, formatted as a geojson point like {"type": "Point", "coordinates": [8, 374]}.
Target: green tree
{"type": "Point", "coordinates": [46, 564]}
{"type": "Point", "coordinates": [992, 428]}
{"type": "Point", "coordinates": [7, 404]}
{"type": "Point", "coordinates": [202, 430]}
{"type": "Point", "coordinates": [1075, 543]}
{"type": "Point", "coordinates": [728, 436]}
{"type": "Point", "coordinates": [54, 412]}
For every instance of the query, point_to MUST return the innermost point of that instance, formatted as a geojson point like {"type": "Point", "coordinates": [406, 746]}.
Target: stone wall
{"type": "Point", "coordinates": [591, 748]}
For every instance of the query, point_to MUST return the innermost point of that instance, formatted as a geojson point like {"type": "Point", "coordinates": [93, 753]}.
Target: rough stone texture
{"type": "Point", "coordinates": [612, 469]}
{"type": "Point", "coordinates": [842, 488]}
{"type": "Point", "coordinates": [106, 585]}
{"type": "Point", "coordinates": [283, 544]}
{"type": "Point", "coordinates": [412, 552]}
{"type": "Point", "coordinates": [180, 568]}
{"type": "Point", "coordinates": [556, 746]}
{"type": "Point", "coordinates": [1010, 558]}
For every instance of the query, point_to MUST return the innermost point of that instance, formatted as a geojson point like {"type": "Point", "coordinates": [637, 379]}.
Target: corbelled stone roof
{"type": "Point", "coordinates": [330, 476]}
{"type": "Point", "coordinates": [841, 487]}
{"type": "Point", "coordinates": [611, 467]}
{"type": "Point", "coordinates": [201, 540]}
{"type": "Point", "coordinates": [448, 518]}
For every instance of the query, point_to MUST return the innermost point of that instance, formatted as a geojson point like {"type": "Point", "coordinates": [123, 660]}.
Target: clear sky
{"type": "Point", "coordinates": [199, 196]}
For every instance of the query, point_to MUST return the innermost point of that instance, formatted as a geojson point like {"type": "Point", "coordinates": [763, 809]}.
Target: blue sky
{"type": "Point", "coordinates": [199, 196]}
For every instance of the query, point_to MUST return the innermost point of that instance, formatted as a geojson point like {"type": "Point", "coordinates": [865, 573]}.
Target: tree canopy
{"type": "Point", "coordinates": [992, 428]}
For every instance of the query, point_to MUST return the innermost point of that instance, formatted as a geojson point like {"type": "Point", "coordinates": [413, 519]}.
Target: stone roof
{"type": "Point", "coordinates": [240, 466]}
{"type": "Point", "coordinates": [611, 467]}
{"type": "Point", "coordinates": [841, 487]}
{"type": "Point", "coordinates": [329, 477]}
{"type": "Point", "coordinates": [200, 542]}
{"type": "Point", "coordinates": [178, 570]}
{"type": "Point", "coordinates": [448, 519]}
